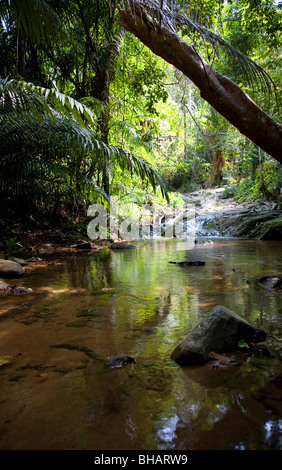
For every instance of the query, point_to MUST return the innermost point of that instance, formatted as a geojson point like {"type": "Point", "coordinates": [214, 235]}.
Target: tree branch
{"type": "Point", "coordinates": [220, 92]}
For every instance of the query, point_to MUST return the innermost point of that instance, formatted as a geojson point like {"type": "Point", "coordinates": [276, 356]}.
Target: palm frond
{"type": "Point", "coordinates": [19, 96]}
{"type": "Point", "coordinates": [31, 128]}
{"type": "Point", "coordinates": [37, 21]}
{"type": "Point", "coordinates": [130, 133]}
{"type": "Point", "coordinates": [169, 14]}
{"type": "Point", "coordinates": [38, 178]}
{"type": "Point", "coordinates": [142, 168]}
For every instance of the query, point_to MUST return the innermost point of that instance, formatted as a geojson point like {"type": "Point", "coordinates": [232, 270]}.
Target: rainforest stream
{"type": "Point", "coordinates": [85, 307]}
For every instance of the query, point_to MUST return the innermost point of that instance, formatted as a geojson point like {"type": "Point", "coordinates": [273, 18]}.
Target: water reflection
{"type": "Point", "coordinates": [273, 434]}
{"type": "Point", "coordinates": [85, 308]}
{"type": "Point", "coordinates": [166, 429]}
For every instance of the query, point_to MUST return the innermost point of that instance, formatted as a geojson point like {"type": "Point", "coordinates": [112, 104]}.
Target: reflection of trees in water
{"type": "Point", "coordinates": [89, 271]}
{"type": "Point", "coordinates": [148, 290]}
{"type": "Point", "coordinates": [152, 307]}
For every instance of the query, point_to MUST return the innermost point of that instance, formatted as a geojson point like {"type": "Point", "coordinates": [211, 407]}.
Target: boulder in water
{"type": "Point", "coordinates": [271, 282]}
{"type": "Point", "coordinates": [118, 361]}
{"type": "Point", "coordinates": [82, 245]}
{"type": "Point", "coordinates": [220, 332]}
{"type": "Point", "coordinates": [6, 360]}
{"type": "Point", "coordinates": [22, 262]}
{"type": "Point", "coordinates": [188, 263]}
{"type": "Point", "coordinates": [10, 269]}
{"type": "Point", "coordinates": [122, 246]}
{"type": "Point", "coordinates": [14, 290]}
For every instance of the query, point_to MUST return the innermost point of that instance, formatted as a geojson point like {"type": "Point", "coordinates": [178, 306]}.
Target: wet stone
{"type": "Point", "coordinates": [76, 324]}
{"type": "Point", "coordinates": [118, 361]}
{"type": "Point", "coordinates": [221, 331]}
{"type": "Point", "coordinates": [188, 263]}
{"type": "Point", "coordinates": [82, 245]}
{"type": "Point", "coordinates": [5, 360]}
{"type": "Point", "coordinates": [122, 246]}
{"type": "Point", "coordinates": [90, 313]}
{"type": "Point", "coordinates": [271, 282]}
{"type": "Point", "coordinates": [10, 269]}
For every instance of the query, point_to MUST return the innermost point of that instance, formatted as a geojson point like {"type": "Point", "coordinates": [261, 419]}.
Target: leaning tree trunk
{"type": "Point", "coordinates": [219, 91]}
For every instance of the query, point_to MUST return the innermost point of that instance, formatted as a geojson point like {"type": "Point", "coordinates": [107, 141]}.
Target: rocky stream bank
{"type": "Point", "coordinates": [223, 217]}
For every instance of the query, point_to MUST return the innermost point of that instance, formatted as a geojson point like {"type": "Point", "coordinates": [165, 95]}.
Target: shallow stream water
{"type": "Point", "coordinates": [85, 307]}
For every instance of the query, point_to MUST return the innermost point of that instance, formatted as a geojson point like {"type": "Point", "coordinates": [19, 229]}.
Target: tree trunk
{"type": "Point", "coordinates": [219, 91]}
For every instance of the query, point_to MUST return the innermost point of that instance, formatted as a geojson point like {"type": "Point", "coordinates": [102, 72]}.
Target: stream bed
{"type": "Point", "coordinates": [56, 392]}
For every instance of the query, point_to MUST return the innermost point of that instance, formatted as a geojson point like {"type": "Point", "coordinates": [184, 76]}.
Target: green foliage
{"type": "Point", "coordinates": [10, 245]}
{"type": "Point", "coordinates": [229, 192]}
{"type": "Point", "coordinates": [243, 344]}
{"type": "Point", "coordinates": [26, 15]}
{"type": "Point", "coordinates": [47, 147]}
{"type": "Point", "coordinates": [148, 82]}
{"type": "Point", "coordinates": [254, 175]}
{"type": "Point", "coordinates": [42, 132]}
{"type": "Point", "coordinates": [254, 27]}
{"type": "Point", "coordinates": [96, 114]}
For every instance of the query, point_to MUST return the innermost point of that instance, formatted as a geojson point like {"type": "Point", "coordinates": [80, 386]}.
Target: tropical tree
{"type": "Point", "coordinates": [157, 23]}
{"type": "Point", "coordinates": [50, 141]}
{"type": "Point", "coordinates": [91, 58]}
{"type": "Point", "coordinates": [88, 62]}
{"type": "Point", "coordinates": [34, 23]}
{"type": "Point", "coordinates": [49, 144]}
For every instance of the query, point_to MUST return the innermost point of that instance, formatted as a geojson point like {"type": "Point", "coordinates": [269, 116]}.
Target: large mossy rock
{"type": "Point", "coordinates": [10, 269]}
{"type": "Point", "coordinates": [220, 331]}
{"type": "Point", "coordinates": [265, 225]}
{"type": "Point", "coordinates": [252, 221]}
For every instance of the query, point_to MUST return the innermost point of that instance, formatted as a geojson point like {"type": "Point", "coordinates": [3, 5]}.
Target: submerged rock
{"type": "Point", "coordinates": [20, 261]}
{"type": "Point", "coordinates": [122, 246]}
{"type": "Point", "coordinates": [15, 290]}
{"type": "Point", "coordinates": [3, 285]}
{"type": "Point", "coordinates": [221, 361]}
{"type": "Point", "coordinates": [220, 332]}
{"type": "Point", "coordinates": [119, 361]}
{"type": "Point", "coordinates": [271, 282]}
{"type": "Point", "coordinates": [188, 263]}
{"type": "Point", "coordinates": [10, 269]}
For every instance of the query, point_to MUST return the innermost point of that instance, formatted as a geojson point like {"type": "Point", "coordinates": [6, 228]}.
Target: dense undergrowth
{"type": "Point", "coordinates": [89, 114]}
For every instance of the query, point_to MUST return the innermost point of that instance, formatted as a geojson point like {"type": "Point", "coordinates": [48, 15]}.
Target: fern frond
{"type": "Point", "coordinates": [131, 134]}
{"type": "Point", "coordinates": [39, 176]}
{"type": "Point", "coordinates": [128, 161]}
{"type": "Point", "coordinates": [30, 127]}
{"type": "Point", "coordinates": [36, 19]}
{"type": "Point", "coordinates": [19, 96]}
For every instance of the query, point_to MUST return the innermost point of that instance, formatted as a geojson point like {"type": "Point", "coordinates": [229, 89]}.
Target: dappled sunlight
{"type": "Point", "coordinates": [54, 291]}
{"type": "Point", "coordinates": [207, 304]}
